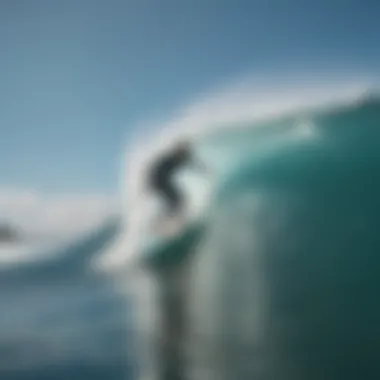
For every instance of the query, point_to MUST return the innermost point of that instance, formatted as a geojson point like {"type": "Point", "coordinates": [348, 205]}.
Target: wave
{"type": "Point", "coordinates": [224, 125]}
{"type": "Point", "coordinates": [294, 222]}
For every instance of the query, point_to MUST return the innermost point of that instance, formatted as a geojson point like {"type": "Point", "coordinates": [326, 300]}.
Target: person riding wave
{"type": "Point", "coordinates": [162, 173]}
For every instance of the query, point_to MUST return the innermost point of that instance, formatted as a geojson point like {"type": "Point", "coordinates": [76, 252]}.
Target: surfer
{"type": "Point", "coordinates": [162, 172]}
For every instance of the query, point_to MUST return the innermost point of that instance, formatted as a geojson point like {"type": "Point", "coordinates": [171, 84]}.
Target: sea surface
{"type": "Point", "coordinates": [60, 319]}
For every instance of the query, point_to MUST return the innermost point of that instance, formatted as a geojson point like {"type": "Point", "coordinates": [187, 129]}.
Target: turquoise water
{"type": "Point", "coordinates": [290, 270]}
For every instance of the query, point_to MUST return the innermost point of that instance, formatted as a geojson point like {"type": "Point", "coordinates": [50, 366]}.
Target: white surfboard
{"type": "Point", "coordinates": [167, 227]}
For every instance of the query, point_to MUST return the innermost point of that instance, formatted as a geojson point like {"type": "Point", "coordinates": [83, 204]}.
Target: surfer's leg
{"type": "Point", "coordinates": [173, 204]}
{"type": "Point", "coordinates": [174, 200]}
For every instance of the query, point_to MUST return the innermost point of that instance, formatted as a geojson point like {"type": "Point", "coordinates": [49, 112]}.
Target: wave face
{"type": "Point", "coordinates": [285, 282]}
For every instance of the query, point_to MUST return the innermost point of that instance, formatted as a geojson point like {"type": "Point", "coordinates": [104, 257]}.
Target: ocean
{"type": "Point", "coordinates": [295, 277]}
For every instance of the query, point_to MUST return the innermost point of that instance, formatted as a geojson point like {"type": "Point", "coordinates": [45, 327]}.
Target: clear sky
{"type": "Point", "coordinates": [75, 75]}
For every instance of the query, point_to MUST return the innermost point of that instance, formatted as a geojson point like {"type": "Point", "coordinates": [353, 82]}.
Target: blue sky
{"type": "Point", "coordinates": [77, 75]}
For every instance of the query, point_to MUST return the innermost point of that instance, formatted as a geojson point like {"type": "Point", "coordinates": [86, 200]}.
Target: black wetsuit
{"type": "Point", "coordinates": [161, 178]}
